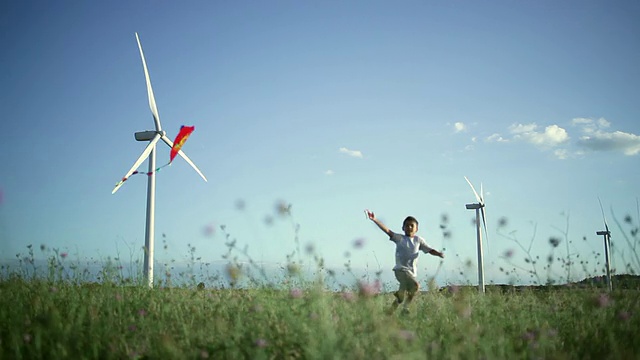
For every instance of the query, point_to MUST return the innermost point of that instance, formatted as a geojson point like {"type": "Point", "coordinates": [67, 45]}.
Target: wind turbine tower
{"type": "Point", "coordinates": [479, 208]}
{"type": "Point", "coordinates": [607, 248]}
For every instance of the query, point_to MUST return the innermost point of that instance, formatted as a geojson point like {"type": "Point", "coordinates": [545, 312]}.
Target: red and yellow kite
{"type": "Point", "coordinates": [183, 135]}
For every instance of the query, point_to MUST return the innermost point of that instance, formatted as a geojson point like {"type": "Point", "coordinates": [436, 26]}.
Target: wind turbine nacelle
{"type": "Point", "coordinates": [147, 135]}
{"type": "Point", "coordinates": [473, 206]}
{"type": "Point", "coordinates": [602, 233]}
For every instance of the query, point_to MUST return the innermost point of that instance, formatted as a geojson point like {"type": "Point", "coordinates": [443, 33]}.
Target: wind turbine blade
{"type": "Point", "coordinates": [606, 227]}
{"type": "Point", "coordinates": [184, 156]}
{"type": "Point", "coordinates": [142, 158]}
{"type": "Point", "coordinates": [484, 225]}
{"type": "Point", "coordinates": [481, 194]}
{"type": "Point", "coordinates": [152, 100]}
{"type": "Point", "coordinates": [474, 190]}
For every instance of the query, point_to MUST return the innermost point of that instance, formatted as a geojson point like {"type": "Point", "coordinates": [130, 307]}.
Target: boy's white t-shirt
{"type": "Point", "coordinates": [407, 250]}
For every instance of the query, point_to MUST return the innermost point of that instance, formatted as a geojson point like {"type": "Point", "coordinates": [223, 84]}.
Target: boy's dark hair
{"type": "Point", "coordinates": [409, 218]}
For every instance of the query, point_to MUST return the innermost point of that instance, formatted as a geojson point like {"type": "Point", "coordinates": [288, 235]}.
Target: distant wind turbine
{"type": "Point", "coordinates": [479, 208]}
{"type": "Point", "coordinates": [607, 247]}
{"type": "Point", "coordinates": [153, 136]}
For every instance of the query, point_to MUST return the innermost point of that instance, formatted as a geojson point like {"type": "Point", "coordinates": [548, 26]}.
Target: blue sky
{"type": "Point", "coordinates": [332, 107]}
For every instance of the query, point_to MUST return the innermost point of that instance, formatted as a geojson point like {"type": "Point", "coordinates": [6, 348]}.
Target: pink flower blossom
{"type": "Point", "coordinates": [348, 295]}
{"type": "Point", "coordinates": [261, 343]}
{"type": "Point", "coordinates": [369, 289]}
{"type": "Point", "coordinates": [296, 293]}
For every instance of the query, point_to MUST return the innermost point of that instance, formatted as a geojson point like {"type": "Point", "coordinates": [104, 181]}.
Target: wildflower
{"type": "Point", "coordinates": [529, 336]}
{"type": "Point", "coordinates": [63, 255]}
{"type": "Point", "coordinates": [554, 241]}
{"type": "Point", "coordinates": [234, 272]}
{"type": "Point", "coordinates": [358, 243]}
{"type": "Point", "coordinates": [508, 254]}
{"type": "Point", "coordinates": [283, 209]}
{"type": "Point", "coordinates": [296, 293]}
{"type": "Point", "coordinates": [407, 335]}
{"type": "Point", "coordinates": [43, 247]}
{"type": "Point", "coordinates": [26, 338]}
{"type": "Point", "coordinates": [348, 295]}
{"type": "Point", "coordinates": [293, 269]}
{"type": "Point", "coordinates": [132, 328]}
{"type": "Point", "coordinates": [310, 248]}
{"type": "Point", "coordinates": [453, 289]}
{"type": "Point", "coordinates": [369, 289]}
{"type": "Point", "coordinates": [602, 300]}
{"type": "Point", "coordinates": [261, 343]}
{"type": "Point", "coordinates": [204, 354]}
{"type": "Point", "coordinates": [502, 222]}
{"type": "Point", "coordinates": [53, 289]}
{"type": "Point", "coordinates": [209, 230]}
{"type": "Point", "coordinates": [624, 315]}
{"type": "Point", "coordinates": [118, 297]}
{"type": "Point", "coordinates": [240, 204]}
{"type": "Point", "coordinates": [142, 312]}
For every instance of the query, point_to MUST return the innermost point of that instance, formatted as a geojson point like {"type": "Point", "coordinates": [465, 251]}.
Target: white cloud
{"type": "Point", "coordinates": [353, 153]}
{"type": "Point", "coordinates": [596, 138]}
{"type": "Point", "coordinates": [561, 154]}
{"type": "Point", "coordinates": [329, 172]}
{"type": "Point", "coordinates": [628, 144]}
{"type": "Point", "coordinates": [495, 138]}
{"type": "Point", "coordinates": [552, 136]}
{"type": "Point", "coordinates": [459, 126]}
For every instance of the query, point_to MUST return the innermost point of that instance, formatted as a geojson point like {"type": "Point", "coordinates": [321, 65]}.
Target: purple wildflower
{"type": "Point", "coordinates": [358, 243]}
{"type": "Point", "coordinates": [261, 343]}
{"type": "Point", "coordinates": [296, 293]}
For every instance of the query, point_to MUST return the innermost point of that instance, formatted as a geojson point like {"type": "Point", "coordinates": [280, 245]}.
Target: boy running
{"type": "Point", "coordinates": [408, 247]}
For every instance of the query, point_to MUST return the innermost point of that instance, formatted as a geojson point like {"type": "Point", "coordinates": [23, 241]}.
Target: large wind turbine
{"type": "Point", "coordinates": [479, 208]}
{"type": "Point", "coordinates": [153, 136]}
{"type": "Point", "coordinates": [607, 246]}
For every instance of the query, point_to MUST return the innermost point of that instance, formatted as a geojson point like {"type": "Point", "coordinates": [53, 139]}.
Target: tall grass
{"type": "Point", "coordinates": [51, 310]}
{"type": "Point", "coordinates": [51, 320]}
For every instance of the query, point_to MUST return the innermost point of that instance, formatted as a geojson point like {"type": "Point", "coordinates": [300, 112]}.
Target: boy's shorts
{"type": "Point", "coordinates": [407, 281]}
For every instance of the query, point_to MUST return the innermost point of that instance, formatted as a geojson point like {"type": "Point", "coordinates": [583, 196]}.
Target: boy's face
{"type": "Point", "coordinates": [410, 228]}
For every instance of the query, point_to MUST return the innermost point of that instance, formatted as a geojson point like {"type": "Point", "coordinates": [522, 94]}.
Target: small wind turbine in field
{"type": "Point", "coordinates": [479, 208]}
{"type": "Point", "coordinates": [153, 136]}
{"type": "Point", "coordinates": [607, 246]}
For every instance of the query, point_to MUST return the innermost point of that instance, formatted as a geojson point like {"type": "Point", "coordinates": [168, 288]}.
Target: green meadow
{"type": "Point", "coordinates": [49, 320]}
{"type": "Point", "coordinates": [62, 313]}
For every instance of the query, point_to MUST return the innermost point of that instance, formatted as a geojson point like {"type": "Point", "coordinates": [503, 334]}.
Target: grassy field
{"type": "Point", "coordinates": [59, 320]}
{"type": "Point", "coordinates": [54, 309]}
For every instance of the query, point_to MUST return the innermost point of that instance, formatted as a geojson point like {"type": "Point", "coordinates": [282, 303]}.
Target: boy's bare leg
{"type": "Point", "coordinates": [399, 295]}
{"type": "Point", "coordinates": [411, 293]}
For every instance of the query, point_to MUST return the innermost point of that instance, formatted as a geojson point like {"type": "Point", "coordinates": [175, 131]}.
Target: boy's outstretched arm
{"type": "Point", "coordinates": [437, 253]}
{"type": "Point", "coordinates": [382, 226]}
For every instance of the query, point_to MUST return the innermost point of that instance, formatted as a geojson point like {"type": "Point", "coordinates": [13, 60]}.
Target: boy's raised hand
{"type": "Point", "coordinates": [370, 214]}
